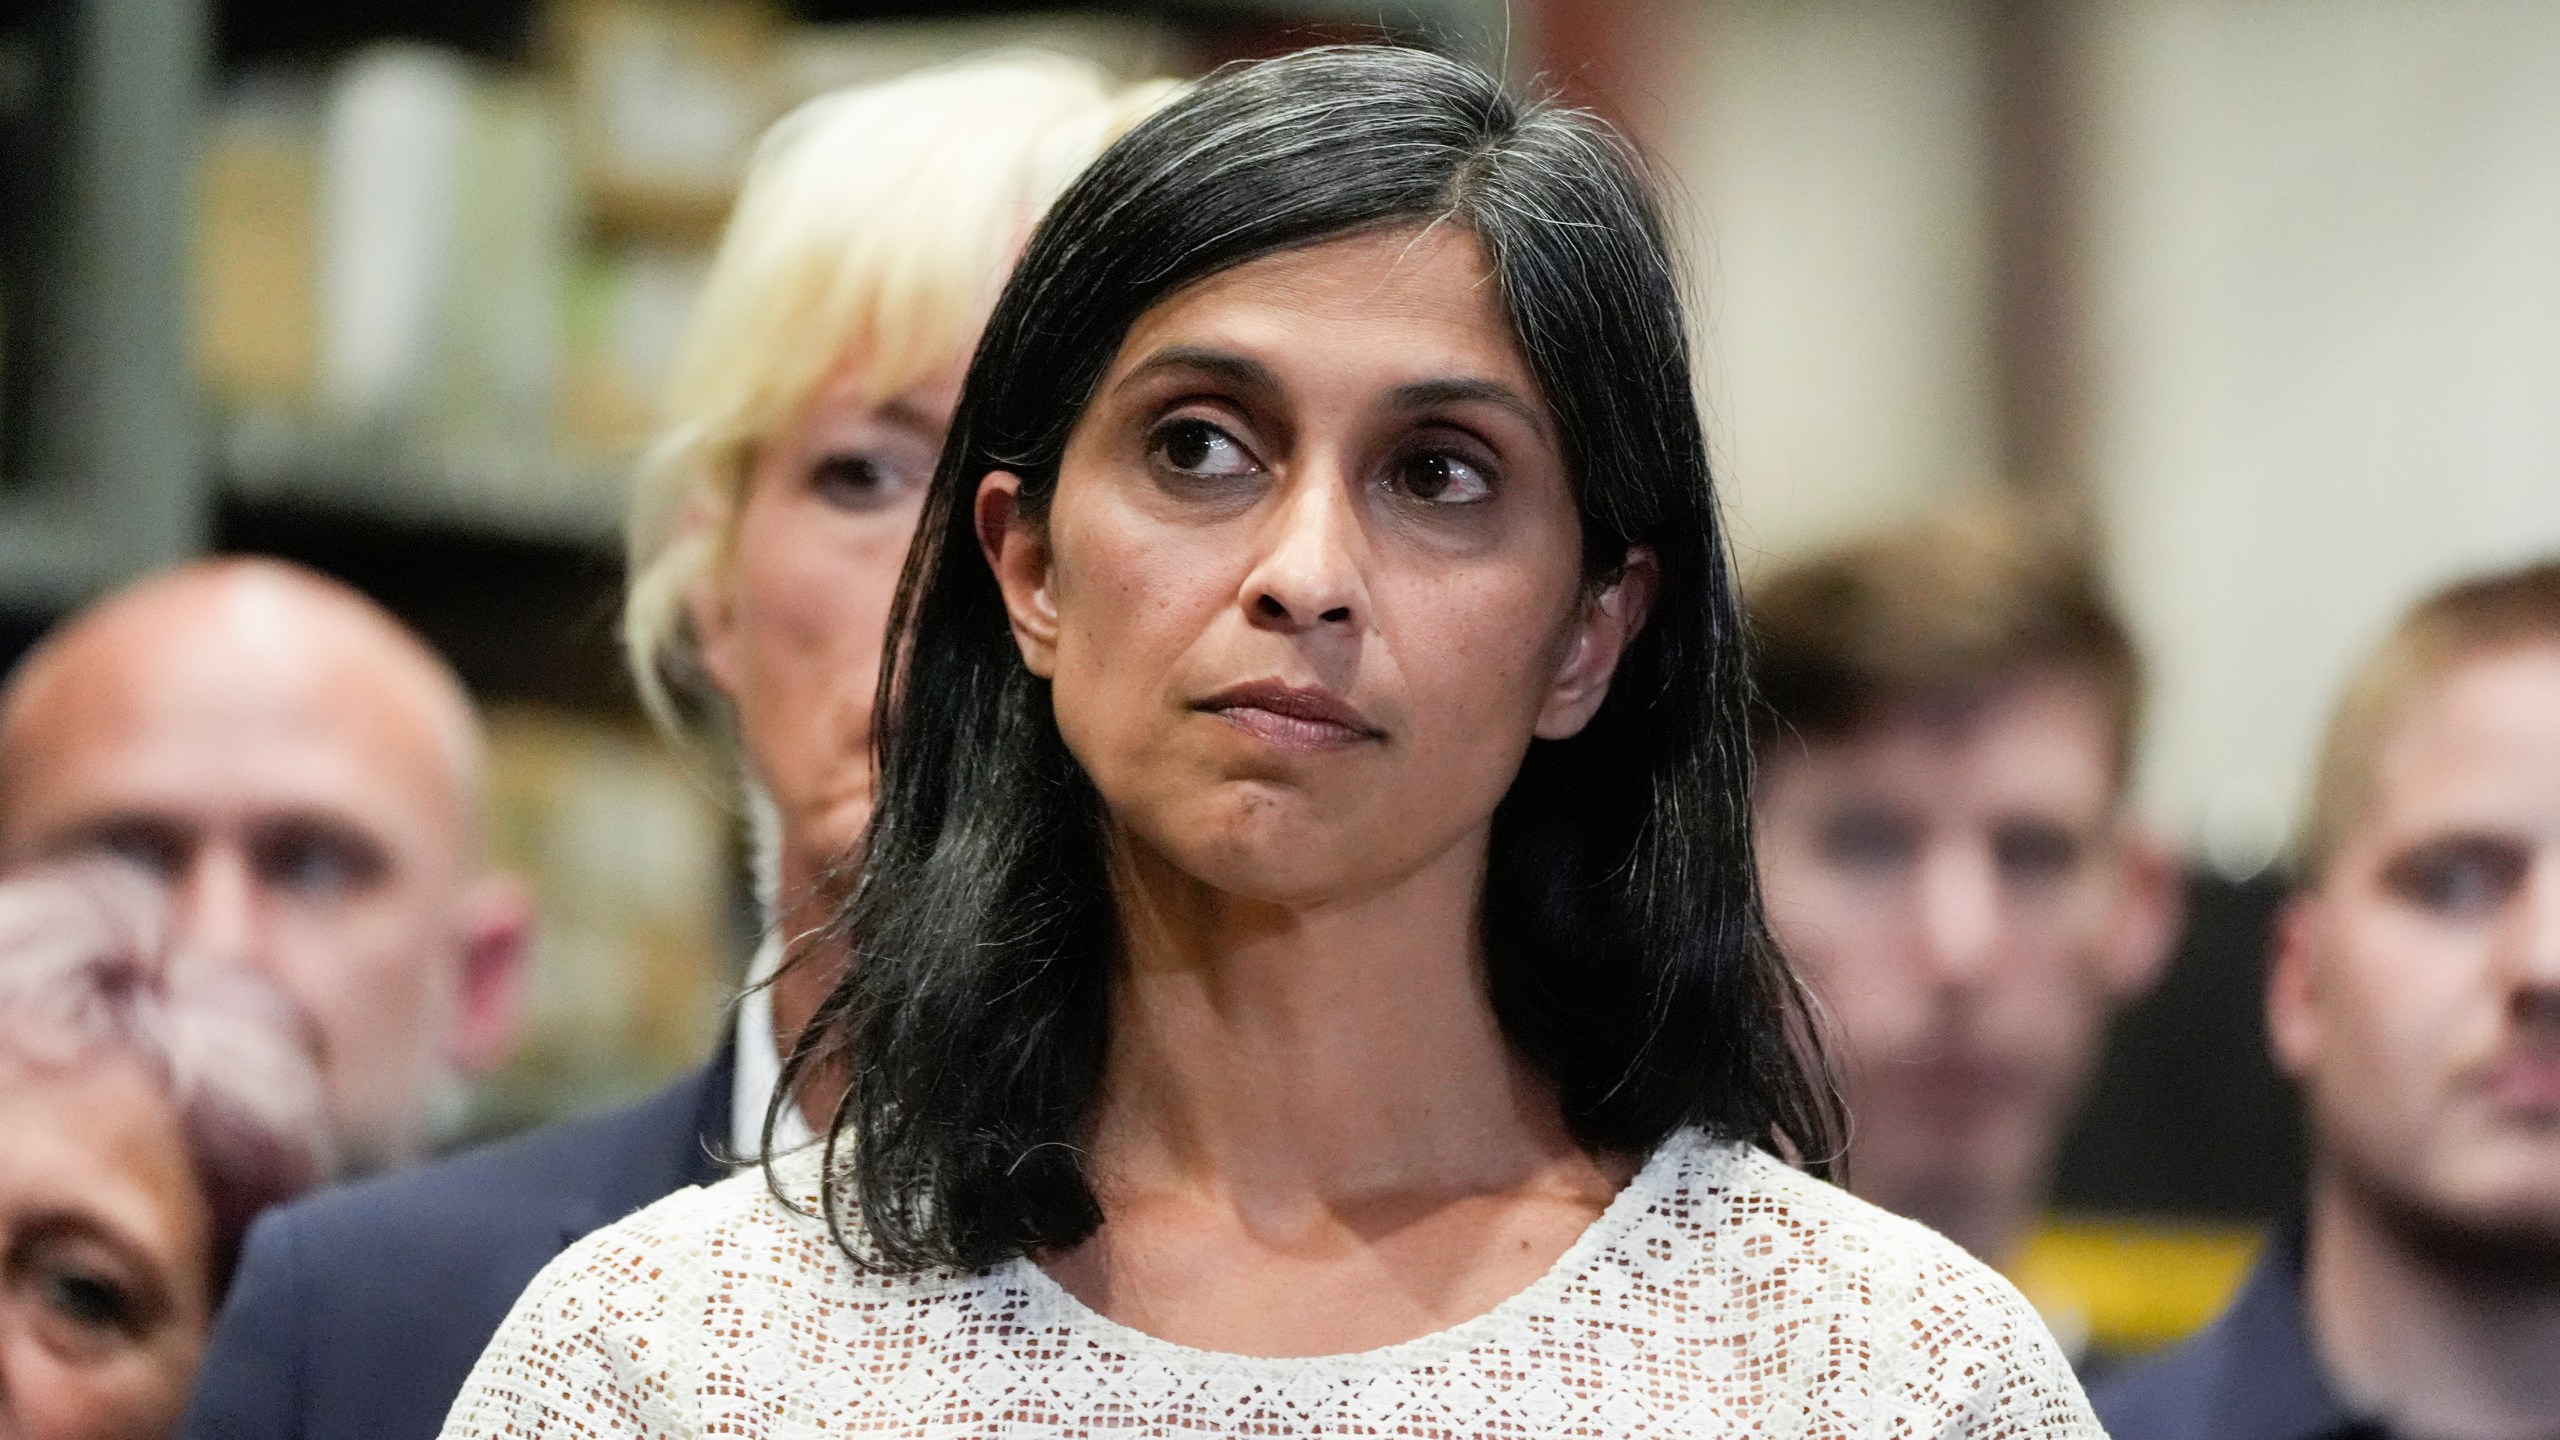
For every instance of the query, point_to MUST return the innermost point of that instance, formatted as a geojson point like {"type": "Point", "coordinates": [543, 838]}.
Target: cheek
{"type": "Point", "coordinates": [141, 1397]}
{"type": "Point", "coordinates": [1485, 644]}
{"type": "Point", "coordinates": [1132, 601]}
{"type": "Point", "coordinates": [2405, 1000]}
{"type": "Point", "coordinates": [1856, 963]}
{"type": "Point", "coordinates": [1826, 916]}
{"type": "Point", "coordinates": [1477, 653]}
{"type": "Point", "coordinates": [813, 586]}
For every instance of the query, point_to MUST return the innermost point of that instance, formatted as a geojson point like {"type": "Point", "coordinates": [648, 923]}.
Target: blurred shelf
{"type": "Point", "coordinates": [498, 491]}
{"type": "Point", "coordinates": [521, 617]}
{"type": "Point", "coordinates": [250, 32]}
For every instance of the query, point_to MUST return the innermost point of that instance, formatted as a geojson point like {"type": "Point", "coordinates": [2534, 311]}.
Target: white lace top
{"type": "Point", "coordinates": [1720, 1294]}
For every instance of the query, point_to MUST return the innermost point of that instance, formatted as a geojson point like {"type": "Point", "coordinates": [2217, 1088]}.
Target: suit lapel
{"type": "Point", "coordinates": [668, 1142]}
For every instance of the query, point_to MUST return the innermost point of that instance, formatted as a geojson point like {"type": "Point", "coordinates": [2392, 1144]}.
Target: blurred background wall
{"type": "Point", "coordinates": [2264, 293]}
{"type": "Point", "coordinates": [2267, 287]}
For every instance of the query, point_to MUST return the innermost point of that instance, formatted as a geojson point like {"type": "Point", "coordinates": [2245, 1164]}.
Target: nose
{"type": "Point", "coordinates": [1959, 912]}
{"type": "Point", "coordinates": [1309, 576]}
{"type": "Point", "coordinates": [2537, 936]}
{"type": "Point", "coordinates": [217, 904]}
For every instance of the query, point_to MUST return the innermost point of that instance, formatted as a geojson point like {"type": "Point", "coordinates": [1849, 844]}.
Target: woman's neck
{"type": "Point", "coordinates": [1312, 1136]}
{"type": "Point", "coordinates": [1314, 1053]}
{"type": "Point", "coordinates": [800, 918]}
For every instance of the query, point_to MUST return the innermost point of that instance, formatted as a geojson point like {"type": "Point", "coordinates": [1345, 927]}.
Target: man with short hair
{"type": "Point", "coordinates": [1948, 714]}
{"type": "Point", "coordinates": [2414, 996]}
{"type": "Point", "coordinates": [306, 777]}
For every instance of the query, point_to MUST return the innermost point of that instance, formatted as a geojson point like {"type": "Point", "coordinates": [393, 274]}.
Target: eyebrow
{"type": "Point", "coordinates": [1234, 369]}
{"type": "Point", "coordinates": [1423, 394]}
{"type": "Point", "coordinates": [907, 415]}
{"type": "Point", "coordinates": [1420, 395]}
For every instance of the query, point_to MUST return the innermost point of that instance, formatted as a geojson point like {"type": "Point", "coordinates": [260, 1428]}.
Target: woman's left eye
{"type": "Point", "coordinates": [1442, 479]}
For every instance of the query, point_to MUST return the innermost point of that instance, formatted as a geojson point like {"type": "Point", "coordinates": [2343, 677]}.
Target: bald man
{"type": "Point", "coordinates": [306, 776]}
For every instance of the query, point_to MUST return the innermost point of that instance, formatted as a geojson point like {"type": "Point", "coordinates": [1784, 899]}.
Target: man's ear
{"type": "Point", "coordinates": [1608, 624]}
{"type": "Point", "coordinates": [1018, 552]}
{"type": "Point", "coordinates": [2293, 982]}
{"type": "Point", "coordinates": [497, 942]}
{"type": "Point", "coordinates": [2151, 907]}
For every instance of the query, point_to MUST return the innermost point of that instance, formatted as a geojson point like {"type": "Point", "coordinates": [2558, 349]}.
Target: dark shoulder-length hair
{"type": "Point", "coordinates": [1626, 953]}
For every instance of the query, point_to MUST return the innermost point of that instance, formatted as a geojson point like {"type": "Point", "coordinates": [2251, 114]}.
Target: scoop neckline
{"type": "Point", "coordinates": [1651, 1180]}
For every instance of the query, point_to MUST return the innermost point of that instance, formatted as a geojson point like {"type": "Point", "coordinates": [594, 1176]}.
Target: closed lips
{"type": "Point", "coordinates": [1292, 715]}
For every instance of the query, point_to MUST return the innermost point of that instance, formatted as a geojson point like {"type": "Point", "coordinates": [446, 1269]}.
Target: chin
{"type": "Point", "coordinates": [827, 829]}
{"type": "Point", "coordinates": [2513, 1182]}
{"type": "Point", "coordinates": [2490, 1205]}
{"type": "Point", "coordinates": [1256, 868]}
{"type": "Point", "coordinates": [1273, 865]}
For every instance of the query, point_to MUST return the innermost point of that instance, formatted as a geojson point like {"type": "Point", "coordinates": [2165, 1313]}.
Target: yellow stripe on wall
{"type": "Point", "coordinates": [2133, 1283]}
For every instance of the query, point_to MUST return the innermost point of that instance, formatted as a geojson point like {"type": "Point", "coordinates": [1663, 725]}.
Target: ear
{"type": "Point", "coordinates": [497, 939]}
{"type": "Point", "coordinates": [1608, 624]}
{"type": "Point", "coordinates": [2151, 906]}
{"type": "Point", "coordinates": [2293, 983]}
{"type": "Point", "coordinates": [1018, 553]}
{"type": "Point", "coordinates": [709, 605]}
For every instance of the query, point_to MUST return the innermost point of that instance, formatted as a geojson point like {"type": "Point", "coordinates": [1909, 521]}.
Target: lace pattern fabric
{"type": "Point", "coordinates": [1721, 1294]}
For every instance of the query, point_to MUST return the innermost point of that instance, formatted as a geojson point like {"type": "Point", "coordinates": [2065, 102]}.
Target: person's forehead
{"type": "Point", "coordinates": [2041, 743]}
{"type": "Point", "coordinates": [216, 736]}
{"type": "Point", "coordinates": [1427, 286]}
{"type": "Point", "coordinates": [2480, 747]}
{"type": "Point", "coordinates": [98, 1136]}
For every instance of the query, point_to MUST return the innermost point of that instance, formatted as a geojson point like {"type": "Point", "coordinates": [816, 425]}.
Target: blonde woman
{"type": "Point", "coordinates": [873, 233]}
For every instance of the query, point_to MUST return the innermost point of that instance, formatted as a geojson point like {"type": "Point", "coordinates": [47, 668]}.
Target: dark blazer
{"type": "Point", "coordinates": [2253, 1374]}
{"type": "Point", "coordinates": [357, 1312]}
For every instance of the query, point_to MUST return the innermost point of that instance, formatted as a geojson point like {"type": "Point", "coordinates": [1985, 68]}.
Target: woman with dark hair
{"type": "Point", "coordinates": [1308, 975]}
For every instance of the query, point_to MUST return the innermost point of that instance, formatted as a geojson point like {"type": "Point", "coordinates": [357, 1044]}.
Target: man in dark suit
{"type": "Point", "coordinates": [2414, 995]}
{"type": "Point", "coordinates": [307, 779]}
{"type": "Point", "coordinates": [359, 1311]}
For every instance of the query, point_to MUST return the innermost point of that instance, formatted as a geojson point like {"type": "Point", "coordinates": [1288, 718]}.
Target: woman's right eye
{"type": "Point", "coordinates": [91, 1300]}
{"type": "Point", "coordinates": [1199, 449]}
{"type": "Point", "coordinates": [87, 1310]}
{"type": "Point", "coordinates": [861, 481]}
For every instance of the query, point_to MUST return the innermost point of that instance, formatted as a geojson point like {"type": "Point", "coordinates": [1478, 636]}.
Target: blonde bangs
{"type": "Point", "coordinates": [875, 227]}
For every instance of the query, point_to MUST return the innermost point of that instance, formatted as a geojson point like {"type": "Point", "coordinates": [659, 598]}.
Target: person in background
{"type": "Point", "coordinates": [1947, 727]}
{"type": "Point", "coordinates": [2414, 995]}
{"type": "Point", "coordinates": [306, 777]}
{"type": "Point", "coordinates": [152, 1106]}
{"type": "Point", "coordinates": [808, 406]}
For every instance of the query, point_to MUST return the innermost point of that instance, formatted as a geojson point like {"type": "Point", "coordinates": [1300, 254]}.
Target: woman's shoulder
{"type": "Point", "coordinates": [1944, 1334]}
{"type": "Point", "coordinates": [1766, 1217]}
{"type": "Point", "coordinates": [1766, 1213]}
{"type": "Point", "coordinates": [753, 1205]}
{"type": "Point", "coordinates": [616, 1318]}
